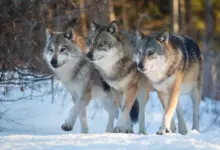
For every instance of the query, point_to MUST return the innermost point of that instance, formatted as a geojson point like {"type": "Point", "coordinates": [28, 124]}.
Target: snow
{"type": "Point", "coordinates": [35, 123]}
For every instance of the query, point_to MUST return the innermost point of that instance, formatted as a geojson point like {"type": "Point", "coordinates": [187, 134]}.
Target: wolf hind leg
{"type": "Point", "coordinates": [196, 97]}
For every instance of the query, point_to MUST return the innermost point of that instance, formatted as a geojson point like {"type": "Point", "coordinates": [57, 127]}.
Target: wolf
{"type": "Point", "coordinates": [174, 65]}
{"type": "Point", "coordinates": [112, 57]}
{"type": "Point", "coordinates": [131, 37]}
{"type": "Point", "coordinates": [79, 77]}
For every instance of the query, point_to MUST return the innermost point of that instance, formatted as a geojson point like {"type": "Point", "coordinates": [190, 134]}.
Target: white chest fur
{"type": "Point", "coordinates": [121, 84]}
{"type": "Point", "coordinates": [66, 73]}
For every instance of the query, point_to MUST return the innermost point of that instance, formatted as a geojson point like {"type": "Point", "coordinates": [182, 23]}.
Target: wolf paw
{"type": "Point", "coordinates": [122, 130]}
{"type": "Point", "coordinates": [67, 126]}
{"type": "Point", "coordinates": [173, 129]}
{"type": "Point", "coordinates": [163, 131]}
{"type": "Point", "coordinates": [142, 133]}
{"type": "Point", "coordinates": [183, 131]}
{"type": "Point", "coordinates": [109, 130]}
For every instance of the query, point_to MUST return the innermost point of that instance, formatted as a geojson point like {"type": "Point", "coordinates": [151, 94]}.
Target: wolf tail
{"type": "Point", "coordinates": [134, 111]}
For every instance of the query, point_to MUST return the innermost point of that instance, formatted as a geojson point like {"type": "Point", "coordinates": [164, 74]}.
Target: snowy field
{"type": "Point", "coordinates": [36, 124]}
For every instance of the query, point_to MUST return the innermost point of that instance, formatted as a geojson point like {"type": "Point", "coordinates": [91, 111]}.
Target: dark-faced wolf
{"type": "Point", "coordinates": [173, 64]}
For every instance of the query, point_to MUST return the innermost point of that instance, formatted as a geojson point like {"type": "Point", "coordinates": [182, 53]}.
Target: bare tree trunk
{"type": "Point", "coordinates": [209, 17]}
{"type": "Point", "coordinates": [182, 16]}
{"type": "Point", "coordinates": [209, 69]}
{"type": "Point", "coordinates": [83, 18]}
{"type": "Point", "coordinates": [188, 16]}
{"type": "Point", "coordinates": [111, 10]}
{"type": "Point", "coordinates": [124, 15]}
{"type": "Point", "coordinates": [99, 13]}
{"type": "Point", "coordinates": [175, 16]}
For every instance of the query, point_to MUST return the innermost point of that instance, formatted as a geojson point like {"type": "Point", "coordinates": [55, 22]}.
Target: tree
{"type": "Point", "coordinates": [175, 16]}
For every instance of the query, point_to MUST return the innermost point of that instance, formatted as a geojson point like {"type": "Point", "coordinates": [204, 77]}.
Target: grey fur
{"type": "Point", "coordinates": [112, 57]}
{"type": "Point", "coordinates": [80, 78]}
{"type": "Point", "coordinates": [165, 57]}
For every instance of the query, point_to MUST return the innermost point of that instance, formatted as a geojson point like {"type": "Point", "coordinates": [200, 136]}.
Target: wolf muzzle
{"type": "Point", "coordinates": [89, 55]}
{"type": "Point", "coordinates": [140, 66]}
{"type": "Point", "coordinates": [54, 63]}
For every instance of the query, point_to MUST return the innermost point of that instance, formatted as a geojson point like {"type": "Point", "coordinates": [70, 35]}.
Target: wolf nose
{"type": "Point", "coordinates": [54, 63]}
{"type": "Point", "coordinates": [89, 55]}
{"type": "Point", "coordinates": [140, 66]}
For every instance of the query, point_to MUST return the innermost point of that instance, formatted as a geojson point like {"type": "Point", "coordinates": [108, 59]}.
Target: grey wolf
{"type": "Point", "coordinates": [112, 57]}
{"type": "Point", "coordinates": [131, 37]}
{"type": "Point", "coordinates": [79, 77]}
{"type": "Point", "coordinates": [173, 64]}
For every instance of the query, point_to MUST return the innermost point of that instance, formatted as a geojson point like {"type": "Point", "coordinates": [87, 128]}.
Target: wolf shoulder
{"type": "Point", "coordinates": [186, 45]}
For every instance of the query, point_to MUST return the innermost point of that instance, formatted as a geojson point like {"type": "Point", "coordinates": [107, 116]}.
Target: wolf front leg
{"type": "Point", "coordinates": [164, 99]}
{"type": "Point", "coordinates": [78, 107]}
{"type": "Point", "coordinates": [124, 124]}
{"type": "Point", "coordinates": [143, 97]}
{"type": "Point", "coordinates": [112, 109]}
{"type": "Point", "coordinates": [83, 121]}
{"type": "Point", "coordinates": [174, 96]}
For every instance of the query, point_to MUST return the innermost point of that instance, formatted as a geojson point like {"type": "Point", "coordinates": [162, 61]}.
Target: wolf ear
{"type": "Point", "coordinates": [164, 37]}
{"type": "Point", "coordinates": [139, 35]}
{"type": "Point", "coordinates": [113, 28]}
{"type": "Point", "coordinates": [49, 33]}
{"type": "Point", "coordinates": [93, 26]}
{"type": "Point", "coordinates": [69, 34]}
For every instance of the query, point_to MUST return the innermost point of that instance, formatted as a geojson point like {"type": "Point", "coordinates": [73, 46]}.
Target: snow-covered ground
{"type": "Point", "coordinates": [36, 124]}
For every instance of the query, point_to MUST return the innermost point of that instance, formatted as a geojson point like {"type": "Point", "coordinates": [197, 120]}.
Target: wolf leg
{"type": "Point", "coordinates": [164, 99]}
{"type": "Point", "coordinates": [143, 97]}
{"type": "Point", "coordinates": [181, 123]}
{"type": "Point", "coordinates": [74, 112]}
{"type": "Point", "coordinates": [124, 122]}
{"type": "Point", "coordinates": [83, 121]}
{"type": "Point", "coordinates": [174, 96]}
{"type": "Point", "coordinates": [196, 97]}
{"type": "Point", "coordinates": [112, 109]}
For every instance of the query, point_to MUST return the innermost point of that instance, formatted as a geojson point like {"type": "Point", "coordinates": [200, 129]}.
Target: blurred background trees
{"type": "Point", "coordinates": [23, 23]}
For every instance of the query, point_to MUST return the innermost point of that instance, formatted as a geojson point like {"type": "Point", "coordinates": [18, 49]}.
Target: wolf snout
{"type": "Point", "coordinates": [140, 66]}
{"type": "Point", "coordinates": [54, 63]}
{"type": "Point", "coordinates": [89, 55]}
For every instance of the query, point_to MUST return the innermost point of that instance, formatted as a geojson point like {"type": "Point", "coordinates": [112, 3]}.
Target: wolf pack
{"type": "Point", "coordinates": [121, 74]}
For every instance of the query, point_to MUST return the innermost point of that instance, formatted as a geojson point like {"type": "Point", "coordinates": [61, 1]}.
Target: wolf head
{"type": "Point", "coordinates": [60, 48]}
{"type": "Point", "coordinates": [102, 42]}
{"type": "Point", "coordinates": [150, 51]}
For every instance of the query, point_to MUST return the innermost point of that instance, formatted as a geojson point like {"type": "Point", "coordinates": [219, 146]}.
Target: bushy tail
{"type": "Point", "coordinates": [134, 111]}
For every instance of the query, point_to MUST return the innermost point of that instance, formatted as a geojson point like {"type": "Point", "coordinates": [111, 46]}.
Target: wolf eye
{"type": "Point", "coordinates": [62, 49]}
{"type": "Point", "coordinates": [50, 50]}
{"type": "Point", "coordinates": [139, 53]}
{"type": "Point", "coordinates": [102, 44]}
{"type": "Point", "coordinates": [151, 53]}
